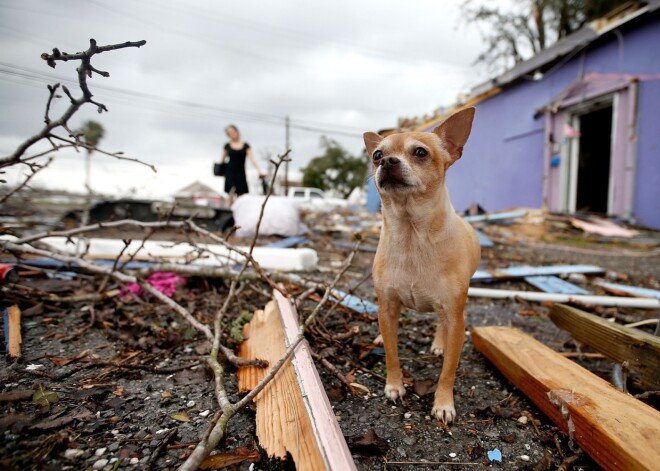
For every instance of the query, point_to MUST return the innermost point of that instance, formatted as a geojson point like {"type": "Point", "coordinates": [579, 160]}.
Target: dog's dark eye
{"type": "Point", "coordinates": [378, 155]}
{"type": "Point", "coordinates": [421, 152]}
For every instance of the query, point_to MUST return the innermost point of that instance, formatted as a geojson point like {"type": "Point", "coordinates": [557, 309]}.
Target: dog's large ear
{"type": "Point", "coordinates": [454, 132]}
{"type": "Point", "coordinates": [371, 141]}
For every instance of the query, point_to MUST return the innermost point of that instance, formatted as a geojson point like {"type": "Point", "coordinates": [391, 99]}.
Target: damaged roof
{"type": "Point", "coordinates": [569, 45]}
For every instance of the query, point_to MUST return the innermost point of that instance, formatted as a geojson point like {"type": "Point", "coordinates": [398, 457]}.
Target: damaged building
{"type": "Point", "coordinates": [573, 129]}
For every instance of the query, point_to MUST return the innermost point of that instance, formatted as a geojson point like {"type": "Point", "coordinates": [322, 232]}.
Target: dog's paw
{"type": "Point", "coordinates": [394, 391]}
{"type": "Point", "coordinates": [378, 340]}
{"type": "Point", "coordinates": [437, 351]}
{"type": "Point", "coordinates": [444, 412]}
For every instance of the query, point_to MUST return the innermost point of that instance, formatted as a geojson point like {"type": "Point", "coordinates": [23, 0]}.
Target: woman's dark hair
{"type": "Point", "coordinates": [233, 126]}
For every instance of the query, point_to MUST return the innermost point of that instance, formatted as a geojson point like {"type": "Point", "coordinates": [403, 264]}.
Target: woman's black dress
{"type": "Point", "coordinates": [235, 179]}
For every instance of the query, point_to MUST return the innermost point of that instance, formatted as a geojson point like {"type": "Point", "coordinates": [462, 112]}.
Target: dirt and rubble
{"type": "Point", "coordinates": [120, 383]}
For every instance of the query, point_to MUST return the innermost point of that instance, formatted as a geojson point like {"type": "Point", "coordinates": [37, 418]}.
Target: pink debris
{"type": "Point", "coordinates": [603, 227]}
{"type": "Point", "coordinates": [165, 282]}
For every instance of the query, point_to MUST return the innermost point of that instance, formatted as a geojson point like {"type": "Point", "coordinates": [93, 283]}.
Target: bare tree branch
{"type": "Point", "coordinates": [85, 70]}
{"type": "Point", "coordinates": [34, 168]}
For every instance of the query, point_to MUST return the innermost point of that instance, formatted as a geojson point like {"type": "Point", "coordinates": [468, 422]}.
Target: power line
{"type": "Point", "coordinates": [265, 118]}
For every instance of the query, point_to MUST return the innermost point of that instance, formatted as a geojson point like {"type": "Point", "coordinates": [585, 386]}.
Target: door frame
{"type": "Point", "coordinates": [575, 100]}
{"type": "Point", "coordinates": [572, 151]}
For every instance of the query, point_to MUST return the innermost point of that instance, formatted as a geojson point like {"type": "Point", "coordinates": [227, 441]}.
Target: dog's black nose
{"type": "Point", "coordinates": [390, 162]}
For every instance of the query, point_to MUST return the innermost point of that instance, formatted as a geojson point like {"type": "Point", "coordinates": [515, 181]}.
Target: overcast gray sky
{"type": "Point", "coordinates": [335, 68]}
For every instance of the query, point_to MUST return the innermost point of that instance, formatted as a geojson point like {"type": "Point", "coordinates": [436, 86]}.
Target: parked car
{"type": "Point", "coordinates": [314, 199]}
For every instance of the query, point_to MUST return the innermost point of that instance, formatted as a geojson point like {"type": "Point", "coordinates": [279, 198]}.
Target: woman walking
{"type": "Point", "coordinates": [237, 150]}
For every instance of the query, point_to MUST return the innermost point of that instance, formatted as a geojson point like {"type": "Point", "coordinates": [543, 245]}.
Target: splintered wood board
{"type": "Point", "coordinates": [617, 430]}
{"type": "Point", "coordinates": [620, 343]}
{"type": "Point", "coordinates": [293, 411]}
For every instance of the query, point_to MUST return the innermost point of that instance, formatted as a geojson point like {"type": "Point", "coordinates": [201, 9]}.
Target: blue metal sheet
{"type": "Point", "coordinates": [50, 263]}
{"type": "Point", "coordinates": [524, 271]}
{"type": "Point", "coordinates": [484, 241]}
{"type": "Point", "coordinates": [553, 284]}
{"type": "Point", "coordinates": [288, 242]}
{"type": "Point", "coordinates": [351, 245]}
{"type": "Point", "coordinates": [495, 216]}
{"type": "Point", "coordinates": [634, 290]}
{"type": "Point", "coordinates": [5, 323]}
{"type": "Point", "coordinates": [355, 303]}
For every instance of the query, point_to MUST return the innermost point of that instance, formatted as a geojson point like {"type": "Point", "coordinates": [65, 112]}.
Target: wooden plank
{"type": "Point", "coordinates": [620, 343]}
{"type": "Point", "coordinates": [628, 290]}
{"type": "Point", "coordinates": [554, 284]}
{"type": "Point", "coordinates": [640, 303]}
{"type": "Point", "coordinates": [617, 430]}
{"type": "Point", "coordinates": [12, 323]}
{"type": "Point", "coordinates": [288, 417]}
{"type": "Point", "coordinates": [328, 433]}
{"type": "Point", "coordinates": [523, 271]}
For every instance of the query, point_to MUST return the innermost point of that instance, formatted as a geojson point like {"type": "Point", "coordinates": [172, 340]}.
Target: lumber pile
{"type": "Point", "coordinates": [617, 430]}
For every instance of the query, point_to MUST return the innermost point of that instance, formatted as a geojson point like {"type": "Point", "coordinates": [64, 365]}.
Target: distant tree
{"type": "Point", "coordinates": [336, 169]}
{"type": "Point", "coordinates": [529, 26]}
{"type": "Point", "coordinates": [92, 133]}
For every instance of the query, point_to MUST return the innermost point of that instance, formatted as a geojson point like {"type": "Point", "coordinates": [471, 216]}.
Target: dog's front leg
{"type": "Point", "coordinates": [453, 328]}
{"type": "Point", "coordinates": [389, 309]}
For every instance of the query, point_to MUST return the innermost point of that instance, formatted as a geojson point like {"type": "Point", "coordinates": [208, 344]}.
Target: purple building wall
{"type": "Point", "coordinates": [503, 162]}
{"type": "Point", "coordinates": [647, 173]}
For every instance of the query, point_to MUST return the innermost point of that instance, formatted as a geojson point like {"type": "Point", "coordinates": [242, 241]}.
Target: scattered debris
{"type": "Point", "coordinates": [582, 404]}
{"type": "Point", "coordinates": [224, 459]}
{"type": "Point", "coordinates": [624, 290]}
{"type": "Point", "coordinates": [355, 303]}
{"type": "Point", "coordinates": [8, 274]}
{"type": "Point", "coordinates": [603, 227]}
{"type": "Point", "coordinates": [166, 251]}
{"type": "Point", "coordinates": [525, 271]}
{"type": "Point", "coordinates": [288, 242]}
{"type": "Point", "coordinates": [484, 241]}
{"type": "Point", "coordinates": [640, 303]}
{"type": "Point", "coordinates": [164, 282]}
{"type": "Point", "coordinates": [11, 317]}
{"type": "Point", "coordinates": [281, 216]}
{"type": "Point", "coordinates": [495, 455]}
{"type": "Point", "coordinates": [495, 216]}
{"type": "Point", "coordinates": [553, 284]}
{"type": "Point", "coordinates": [81, 336]}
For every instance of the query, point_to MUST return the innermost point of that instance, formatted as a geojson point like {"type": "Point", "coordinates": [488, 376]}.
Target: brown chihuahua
{"type": "Point", "coordinates": [427, 253]}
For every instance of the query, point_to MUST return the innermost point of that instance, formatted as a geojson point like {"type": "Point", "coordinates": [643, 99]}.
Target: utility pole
{"type": "Point", "coordinates": [88, 176]}
{"type": "Point", "coordinates": [286, 163]}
